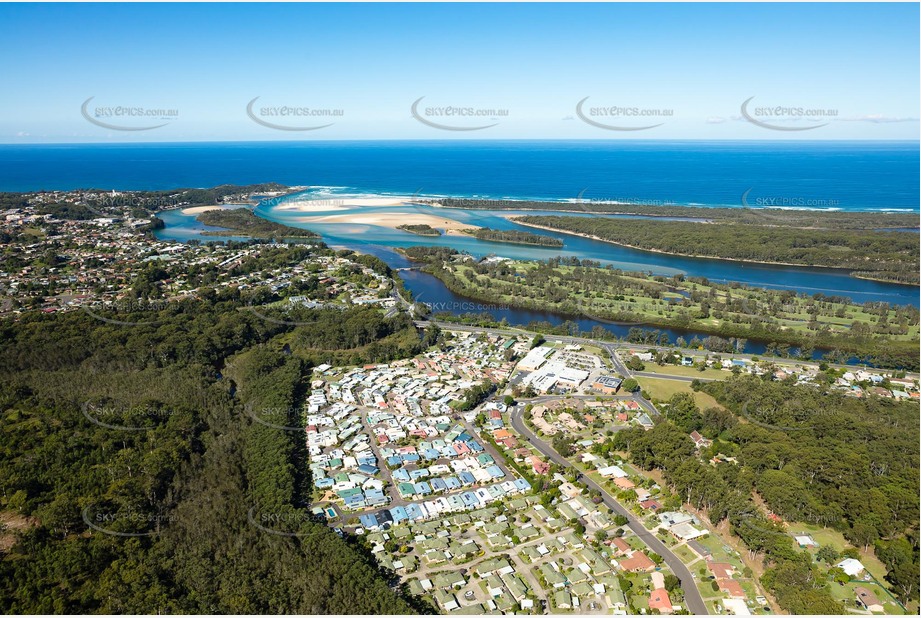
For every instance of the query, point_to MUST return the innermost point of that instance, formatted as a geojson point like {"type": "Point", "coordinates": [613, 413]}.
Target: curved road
{"type": "Point", "coordinates": [693, 600]}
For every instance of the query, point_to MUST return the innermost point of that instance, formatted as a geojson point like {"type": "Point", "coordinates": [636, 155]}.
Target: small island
{"type": "Point", "coordinates": [422, 229]}
{"type": "Point", "coordinates": [518, 237]}
{"type": "Point", "coordinates": [243, 221]}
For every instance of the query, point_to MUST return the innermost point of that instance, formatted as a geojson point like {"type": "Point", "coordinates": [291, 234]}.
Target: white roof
{"type": "Point", "coordinates": [850, 566]}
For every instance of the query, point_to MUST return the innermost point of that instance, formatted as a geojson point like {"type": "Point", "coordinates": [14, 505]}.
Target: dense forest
{"type": "Point", "coordinates": [813, 456]}
{"type": "Point", "coordinates": [519, 237]}
{"type": "Point", "coordinates": [887, 256]}
{"type": "Point", "coordinates": [779, 217]}
{"type": "Point", "coordinates": [243, 221]}
{"type": "Point", "coordinates": [133, 478]}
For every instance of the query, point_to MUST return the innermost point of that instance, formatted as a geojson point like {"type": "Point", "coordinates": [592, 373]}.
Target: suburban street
{"type": "Point", "coordinates": [693, 600]}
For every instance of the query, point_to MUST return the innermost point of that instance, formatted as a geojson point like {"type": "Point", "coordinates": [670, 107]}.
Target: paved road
{"type": "Point", "coordinates": [693, 600]}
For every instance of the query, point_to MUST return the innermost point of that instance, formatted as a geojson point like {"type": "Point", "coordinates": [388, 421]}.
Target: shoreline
{"type": "Point", "coordinates": [392, 220]}
{"type": "Point", "coordinates": [704, 257]}
{"type": "Point", "coordinates": [789, 337]}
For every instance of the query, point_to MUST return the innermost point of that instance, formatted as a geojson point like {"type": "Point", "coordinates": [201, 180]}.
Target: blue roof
{"type": "Point", "coordinates": [400, 474]}
{"type": "Point", "coordinates": [448, 451]}
{"type": "Point", "coordinates": [466, 477]}
{"type": "Point", "coordinates": [355, 500]}
{"type": "Point", "coordinates": [469, 498]}
{"type": "Point", "coordinates": [394, 461]}
{"type": "Point", "coordinates": [374, 494]}
{"type": "Point", "coordinates": [419, 473]}
{"type": "Point", "coordinates": [399, 514]}
{"type": "Point", "coordinates": [438, 484]}
{"type": "Point", "coordinates": [452, 483]}
{"type": "Point", "coordinates": [422, 488]}
{"type": "Point", "coordinates": [413, 511]}
{"type": "Point", "coordinates": [366, 469]}
{"type": "Point", "coordinates": [411, 457]}
{"type": "Point", "coordinates": [464, 437]}
{"type": "Point", "coordinates": [495, 472]}
{"type": "Point", "coordinates": [324, 482]}
{"type": "Point", "coordinates": [496, 422]}
{"type": "Point", "coordinates": [368, 521]}
{"type": "Point", "coordinates": [522, 484]}
{"type": "Point", "coordinates": [431, 454]}
{"type": "Point", "coordinates": [474, 446]}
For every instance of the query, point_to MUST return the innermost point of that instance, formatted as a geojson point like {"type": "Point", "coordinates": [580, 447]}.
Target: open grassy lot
{"type": "Point", "coordinates": [690, 372]}
{"type": "Point", "coordinates": [662, 389]}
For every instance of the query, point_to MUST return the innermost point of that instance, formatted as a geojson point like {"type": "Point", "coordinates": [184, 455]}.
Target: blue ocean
{"type": "Point", "coordinates": [880, 176]}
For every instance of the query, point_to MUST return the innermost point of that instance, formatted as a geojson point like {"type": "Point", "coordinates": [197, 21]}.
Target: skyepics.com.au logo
{"type": "Point", "coordinates": [125, 523]}
{"type": "Point", "coordinates": [127, 117]}
{"type": "Point", "coordinates": [787, 201]}
{"type": "Point", "coordinates": [112, 204]}
{"type": "Point", "coordinates": [455, 117]}
{"type": "Point", "coordinates": [127, 312]}
{"type": "Point", "coordinates": [292, 117]}
{"type": "Point", "coordinates": [122, 417]}
{"type": "Point", "coordinates": [281, 418]}
{"type": "Point", "coordinates": [294, 311]}
{"type": "Point", "coordinates": [463, 306]}
{"type": "Point", "coordinates": [786, 417]}
{"type": "Point", "coordinates": [622, 117]}
{"type": "Point", "coordinates": [302, 202]}
{"type": "Point", "coordinates": [282, 523]}
{"type": "Point", "coordinates": [607, 203]}
{"type": "Point", "coordinates": [786, 117]}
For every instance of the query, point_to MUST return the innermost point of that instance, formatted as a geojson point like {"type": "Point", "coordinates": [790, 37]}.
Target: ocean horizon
{"type": "Point", "coordinates": [815, 175]}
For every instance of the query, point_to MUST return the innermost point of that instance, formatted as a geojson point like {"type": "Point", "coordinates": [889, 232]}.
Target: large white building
{"type": "Point", "coordinates": [535, 358]}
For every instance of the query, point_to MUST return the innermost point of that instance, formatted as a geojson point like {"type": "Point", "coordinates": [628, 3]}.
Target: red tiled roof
{"type": "Point", "coordinates": [637, 562]}
{"type": "Point", "coordinates": [658, 599]}
{"type": "Point", "coordinates": [722, 570]}
{"type": "Point", "coordinates": [731, 587]}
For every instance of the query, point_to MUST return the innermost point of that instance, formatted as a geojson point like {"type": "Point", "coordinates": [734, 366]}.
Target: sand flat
{"type": "Point", "coordinates": [197, 210]}
{"type": "Point", "coordinates": [395, 219]}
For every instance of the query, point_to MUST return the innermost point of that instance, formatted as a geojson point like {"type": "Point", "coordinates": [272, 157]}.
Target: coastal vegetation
{"type": "Point", "coordinates": [519, 237]}
{"type": "Point", "coordinates": [886, 256]}
{"type": "Point", "coordinates": [775, 217]}
{"type": "Point", "coordinates": [876, 332]}
{"type": "Point", "coordinates": [804, 454]}
{"type": "Point", "coordinates": [243, 221]}
{"type": "Point", "coordinates": [181, 512]}
{"type": "Point", "coordinates": [422, 229]}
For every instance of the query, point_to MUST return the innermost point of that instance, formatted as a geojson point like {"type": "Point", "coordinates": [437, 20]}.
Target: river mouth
{"type": "Point", "coordinates": [382, 241]}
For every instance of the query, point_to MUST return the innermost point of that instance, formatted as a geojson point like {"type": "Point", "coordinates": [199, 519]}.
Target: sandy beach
{"type": "Point", "coordinates": [395, 219]}
{"type": "Point", "coordinates": [197, 210]}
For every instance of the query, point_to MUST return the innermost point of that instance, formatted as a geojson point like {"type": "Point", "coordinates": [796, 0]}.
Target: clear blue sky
{"type": "Point", "coordinates": [372, 61]}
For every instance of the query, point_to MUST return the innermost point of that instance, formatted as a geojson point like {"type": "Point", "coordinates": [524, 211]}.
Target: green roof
{"type": "Point", "coordinates": [562, 599]}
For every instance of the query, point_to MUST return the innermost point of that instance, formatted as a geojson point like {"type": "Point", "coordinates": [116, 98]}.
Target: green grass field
{"type": "Point", "coordinates": [691, 372]}
{"type": "Point", "coordinates": [662, 389]}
